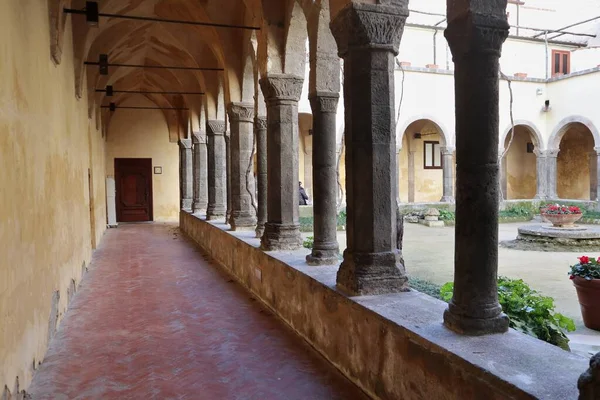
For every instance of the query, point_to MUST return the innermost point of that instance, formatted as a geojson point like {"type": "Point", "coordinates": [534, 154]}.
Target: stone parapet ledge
{"type": "Point", "coordinates": [393, 346]}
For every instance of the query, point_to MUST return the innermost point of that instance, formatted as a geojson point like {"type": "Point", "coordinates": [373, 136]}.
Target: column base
{"type": "Point", "coordinates": [324, 254]}
{"type": "Point", "coordinates": [242, 221]}
{"type": "Point", "coordinates": [186, 204]}
{"type": "Point", "coordinates": [260, 230]}
{"type": "Point", "coordinates": [447, 199]}
{"type": "Point", "coordinates": [214, 212]}
{"type": "Point", "coordinates": [475, 326]}
{"type": "Point", "coordinates": [364, 274]}
{"type": "Point", "coordinates": [198, 208]}
{"type": "Point", "coordinates": [281, 237]}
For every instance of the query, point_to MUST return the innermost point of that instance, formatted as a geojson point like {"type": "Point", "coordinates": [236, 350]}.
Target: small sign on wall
{"type": "Point", "coordinates": [157, 170]}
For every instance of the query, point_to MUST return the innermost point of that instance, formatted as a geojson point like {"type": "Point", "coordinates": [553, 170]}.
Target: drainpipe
{"type": "Point", "coordinates": [435, 41]}
{"type": "Point", "coordinates": [546, 42]}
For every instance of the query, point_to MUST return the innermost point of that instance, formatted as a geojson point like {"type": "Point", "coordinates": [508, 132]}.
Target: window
{"type": "Point", "coordinates": [561, 62]}
{"type": "Point", "coordinates": [432, 157]}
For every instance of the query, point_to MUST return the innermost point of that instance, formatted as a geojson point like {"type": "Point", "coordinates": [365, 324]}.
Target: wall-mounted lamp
{"type": "Point", "coordinates": [103, 64]}
{"type": "Point", "coordinates": [112, 107]}
{"type": "Point", "coordinates": [546, 107]}
{"type": "Point", "coordinates": [91, 13]}
{"type": "Point", "coordinates": [530, 147]}
{"type": "Point", "coordinates": [109, 91]}
{"type": "Point", "coordinates": [417, 135]}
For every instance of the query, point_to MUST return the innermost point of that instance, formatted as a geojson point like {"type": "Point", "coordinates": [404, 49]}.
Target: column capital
{"type": "Point", "coordinates": [471, 32]}
{"type": "Point", "coordinates": [281, 87]}
{"type": "Point", "coordinates": [597, 150]}
{"type": "Point", "coordinates": [325, 102]}
{"type": "Point", "coordinates": [447, 150]}
{"type": "Point", "coordinates": [215, 127]}
{"type": "Point", "coordinates": [241, 112]}
{"type": "Point", "coordinates": [185, 143]}
{"type": "Point", "coordinates": [198, 137]}
{"type": "Point", "coordinates": [260, 122]}
{"type": "Point", "coordinates": [370, 26]}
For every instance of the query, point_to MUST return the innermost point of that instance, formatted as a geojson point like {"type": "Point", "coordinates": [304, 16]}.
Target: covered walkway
{"type": "Point", "coordinates": [153, 319]}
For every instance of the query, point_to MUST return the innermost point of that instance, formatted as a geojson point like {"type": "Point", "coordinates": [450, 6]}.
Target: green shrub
{"type": "Point", "coordinates": [529, 312]}
{"type": "Point", "coordinates": [341, 219]}
{"type": "Point", "coordinates": [306, 224]}
{"type": "Point", "coordinates": [308, 242]}
{"type": "Point", "coordinates": [518, 211]}
{"type": "Point", "coordinates": [446, 215]}
{"type": "Point", "coordinates": [426, 287]}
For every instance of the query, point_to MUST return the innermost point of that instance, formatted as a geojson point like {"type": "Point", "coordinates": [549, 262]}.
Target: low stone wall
{"type": "Point", "coordinates": [392, 346]}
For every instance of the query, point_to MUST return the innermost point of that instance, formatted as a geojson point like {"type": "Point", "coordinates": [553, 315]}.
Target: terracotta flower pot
{"type": "Point", "coordinates": [588, 293]}
{"type": "Point", "coordinates": [562, 219]}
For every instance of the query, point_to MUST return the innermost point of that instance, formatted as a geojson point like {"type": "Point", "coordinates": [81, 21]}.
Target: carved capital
{"type": "Point", "coordinates": [281, 87]}
{"type": "Point", "coordinates": [241, 112]}
{"type": "Point", "coordinates": [198, 137]}
{"type": "Point", "coordinates": [185, 144]}
{"type": "Point", "coordinates": [325, 102]}
{"type": "Point", "coordinates": [447, 150]}
{"type": "Point", "coordinates": [260, 123]}
{"type": "Point", "coordinates": [215, 127]}
{"type": "Point", "coordinates": [370, 26]}
{"type": "Point", "coordinates": [473, 33]}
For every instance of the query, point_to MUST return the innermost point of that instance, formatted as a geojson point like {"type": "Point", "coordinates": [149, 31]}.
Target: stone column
{"type": "Point", "coordinates": [411, 175]}
{"type": "Point", "coordinates": [241, 118]}
{"type": "Point", "coordinates": [594, 159]}
{"type": "Point", "coordinates": [552, 173]}
{"type": "Point", "coordinates": [475, 37]}
{"type": "Point", "coordinates": [368, 37]}
{"type": "Point", "coordinates": [217, 185]}
{"type": "Point", "coordinates": [228, 177]}
{"type": "Point", "coordinates": [325, 248]}
{"type": "Point", "coordinates": [542, 174]}
{"type": "Point", "coordinates": [447, 173]}
{"type": "Point", "coordinates": [185, 174]}
{"type": "Point", "coordinates": [260, 127]}
{"type": "Point", "coordinates": [597, 176]}
{"type": "Point", "coordinates": [200, 161]}
{"type": "Point", "coordinates": [282, 230]}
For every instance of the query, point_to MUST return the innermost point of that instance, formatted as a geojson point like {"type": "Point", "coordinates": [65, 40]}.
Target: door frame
{"type": "Point", "coordinates": [150, 187]}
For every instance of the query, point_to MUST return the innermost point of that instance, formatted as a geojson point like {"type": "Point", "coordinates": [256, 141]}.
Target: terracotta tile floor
{"type": "Point", "coordinates": [154, 320]}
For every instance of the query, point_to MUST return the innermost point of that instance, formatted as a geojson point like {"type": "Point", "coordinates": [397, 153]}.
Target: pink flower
{"type": "Point", "coordinates": [571, 277]}
{"type": "Point", "coordinates": [584, 259]}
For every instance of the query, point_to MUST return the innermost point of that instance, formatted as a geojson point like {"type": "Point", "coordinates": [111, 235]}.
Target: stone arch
{"type": "Point", "coordinates": [294, 61]}
{"type": "Point", "coordinates": [446, 138]}
{"type": "Point", "coordinates": [563, 126]}
{"type": "Point", "coordinates": [535, 133]}
{"type": "Point", "coordinates": [325, 66]}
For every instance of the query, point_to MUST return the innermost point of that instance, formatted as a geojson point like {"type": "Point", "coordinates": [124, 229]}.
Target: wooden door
{"type": "Point", "coordinates": [133, 178]}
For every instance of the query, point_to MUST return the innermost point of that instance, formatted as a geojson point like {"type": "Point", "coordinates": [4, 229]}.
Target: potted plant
{"type": "Point", "coordinates": [586, 278]}
{"type": "Point", "coordinates": [561, 216]}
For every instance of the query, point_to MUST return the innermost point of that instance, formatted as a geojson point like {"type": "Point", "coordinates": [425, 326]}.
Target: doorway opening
{"type": "Point", "coordinates": [133, 181]}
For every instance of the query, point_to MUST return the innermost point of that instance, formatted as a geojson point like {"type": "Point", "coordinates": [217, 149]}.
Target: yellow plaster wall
{"type": "Point", "coordinates": [144, 134]}
{"type": "Point", "coordinates": [573, 164]}
{"type": "Point", "coordinates": [521, 175]}
{"type": "Point", "coordinates": [45, 226]}
{"type": "Point", "coordinates": [429, 184]}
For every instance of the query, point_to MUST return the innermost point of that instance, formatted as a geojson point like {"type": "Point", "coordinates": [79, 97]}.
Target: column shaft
{"type": "Point", "coordinates": [217, 185]}
{"type": "Point", "coordinates": [228, 177]}
{"type": "Point", "coordinates": [541, 174]}
{"type": "Point", "coordinates": [325, 248]}
{"type": "Point", "coordinates": [476, 42]}
{"type": "Point", "coordinates": [200, 161]}
{"type": "Point", "coordinates": [241, 118]}
{"type": "Point", "coordinates": [260, 127]}
{"type": "Point", "coordinates": [185, 174]}
{"type": "Point", "coordinates": [448, 175]}
{"type": "Point", "coordinates": [597, 176]}
{"type": "Point", "coordinates": [552, 173]}
{"type": "Point", "coordinates": [411, 175]}
{"type": "Point", "coordinates": [368, 37]}
{"type": "Point", "coordinates": [282, 230]}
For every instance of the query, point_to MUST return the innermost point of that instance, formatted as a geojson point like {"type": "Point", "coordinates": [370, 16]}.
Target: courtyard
{"type": "Point", "coordinates": [429, 255]}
